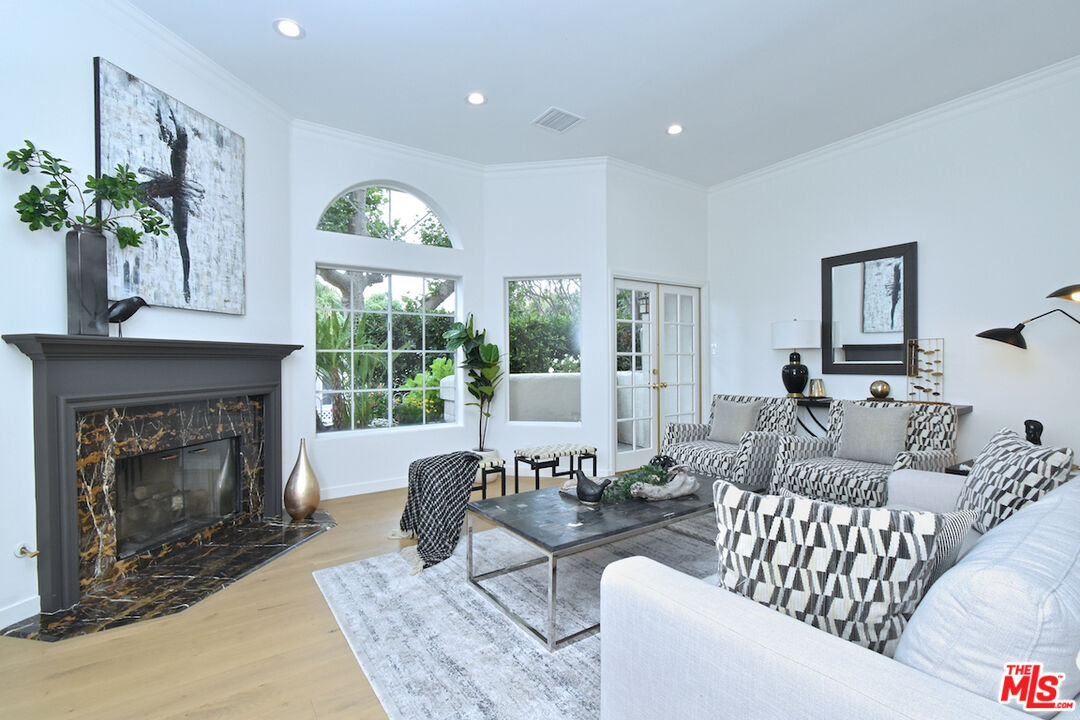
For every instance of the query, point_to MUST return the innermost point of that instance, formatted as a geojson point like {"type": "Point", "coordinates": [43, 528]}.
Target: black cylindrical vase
{"type": "Point", "coordinates": [87, 283]}
{"type": "Point", "coordinates": [795, 375]}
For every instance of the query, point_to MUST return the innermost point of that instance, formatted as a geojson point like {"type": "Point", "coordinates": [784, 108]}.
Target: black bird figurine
{"type": "Point", "coordinates": [121, 310]}
{"type": "Point", "coordinates": [588, 491]}
{"type": "Point", "coordinates": [1033, 430]}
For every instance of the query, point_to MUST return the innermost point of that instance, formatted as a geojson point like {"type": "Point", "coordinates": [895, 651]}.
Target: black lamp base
{"type": "Point", "coordinates": [795, 376]}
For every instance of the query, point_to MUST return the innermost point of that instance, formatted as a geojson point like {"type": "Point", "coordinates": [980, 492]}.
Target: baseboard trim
{"type": "Point", "coordinates": [20, 610]}
{"type": "Point", "coordinates": [363, 488]}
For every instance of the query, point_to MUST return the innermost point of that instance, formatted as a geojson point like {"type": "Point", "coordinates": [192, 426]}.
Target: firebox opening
{"type": "Point", "coordinates": [171, 494]}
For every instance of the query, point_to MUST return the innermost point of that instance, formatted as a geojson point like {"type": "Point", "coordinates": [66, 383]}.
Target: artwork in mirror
{"type": "Point", "coordinates": [868, 310]}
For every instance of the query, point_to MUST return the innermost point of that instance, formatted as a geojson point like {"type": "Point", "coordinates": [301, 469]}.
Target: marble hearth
{"type": "Point", "coordinates": [98, 399]}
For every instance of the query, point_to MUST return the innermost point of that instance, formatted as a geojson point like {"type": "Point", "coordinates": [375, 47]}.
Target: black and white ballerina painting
{"type": "Point", "coordinates": [883, 295]}
{"type": "Point", "coordinates": [192, 171]}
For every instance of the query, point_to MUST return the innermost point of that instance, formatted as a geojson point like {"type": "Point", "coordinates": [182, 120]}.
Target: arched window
{"type": "Point", "coordinates": [384, 212]}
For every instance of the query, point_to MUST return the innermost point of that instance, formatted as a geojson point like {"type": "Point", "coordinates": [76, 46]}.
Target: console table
{"type": "Point", "coordinates": [824, 402]}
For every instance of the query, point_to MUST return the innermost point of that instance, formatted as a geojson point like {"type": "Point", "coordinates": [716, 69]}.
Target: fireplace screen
{"type": "Point", "coordinates": [168, 495]}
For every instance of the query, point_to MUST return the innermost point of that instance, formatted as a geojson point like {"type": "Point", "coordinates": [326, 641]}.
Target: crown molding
{"type": "Point", "coordinates": [588, 163]}
{"type": "Point", "coordinates": [1029, 82]}
{"type": "Point", "coordinates": [379, 145]}
{"type": "Point", "coordinates": [543, 167]}
{"type": "Point", "coordinates": [656, 175]}
{"type": "Point", "coordinates": [182, 48]}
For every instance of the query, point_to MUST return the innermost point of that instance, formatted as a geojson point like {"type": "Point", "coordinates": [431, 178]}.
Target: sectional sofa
{"type": "Point", "coordinates": [674, 646]}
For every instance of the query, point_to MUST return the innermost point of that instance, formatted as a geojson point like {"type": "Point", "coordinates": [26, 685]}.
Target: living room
{"type": "Point", "coordinates": [982, 178]}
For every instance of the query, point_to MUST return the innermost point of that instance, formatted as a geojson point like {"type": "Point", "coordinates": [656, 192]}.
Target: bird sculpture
{"type": "Point", "coordinates": [121, 310]}
{"type": "Point", "coordinates": [1033, 430]}
{"type": "Point", "coordinates": [588, 491]}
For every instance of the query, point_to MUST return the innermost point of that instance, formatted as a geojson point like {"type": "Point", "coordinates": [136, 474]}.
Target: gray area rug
{"type": "Point", "coordinates": [433, 647]}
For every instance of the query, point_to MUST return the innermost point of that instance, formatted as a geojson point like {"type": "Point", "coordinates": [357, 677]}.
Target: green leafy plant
{"type": "Point", "coordinates": [619, 489]}
{"type": "Point", "coordinates": [332, 368]}
{"type": "Point", "coordinates": [482, 363]}
{"type": "Point", "coordinates": [50, 206]}
{"type": "Point", "coordinates": [428, 399]}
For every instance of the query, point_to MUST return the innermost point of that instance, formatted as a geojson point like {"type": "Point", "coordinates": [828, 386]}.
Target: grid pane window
{"type": "Point", "coordinates": [380, 356]}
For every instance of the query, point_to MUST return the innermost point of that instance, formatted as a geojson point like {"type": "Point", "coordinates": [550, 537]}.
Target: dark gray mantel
{"type": "Point", "coordinates": [80, 372]}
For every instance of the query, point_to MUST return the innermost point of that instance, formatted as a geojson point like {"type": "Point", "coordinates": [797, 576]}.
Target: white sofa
{"type": "Point", "coordinates": [673, 646]}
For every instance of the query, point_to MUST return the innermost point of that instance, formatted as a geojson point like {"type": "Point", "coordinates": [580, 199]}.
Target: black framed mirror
{"type": "Point", "coordinates": [869, 310]}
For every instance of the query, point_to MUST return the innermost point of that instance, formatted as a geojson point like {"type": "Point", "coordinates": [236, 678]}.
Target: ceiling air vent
{"type": "Point", "coordinates": [558, 120]}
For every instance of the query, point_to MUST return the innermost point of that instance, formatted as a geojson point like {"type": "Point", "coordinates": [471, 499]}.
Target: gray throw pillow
{"type": "Point", "coordinates": [1008, 474]}
{"type": "Point", "coordinates": [731, 419]}
{"type": "Point", "coordinates": [857, 573]}
{"type": "Point", "coordinates": [873, 434]}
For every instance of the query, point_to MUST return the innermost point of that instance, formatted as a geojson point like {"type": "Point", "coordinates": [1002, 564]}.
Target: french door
{"type": "Point", "coordinates": [656, 369]}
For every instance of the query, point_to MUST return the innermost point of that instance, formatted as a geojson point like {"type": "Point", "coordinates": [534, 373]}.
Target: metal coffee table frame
{"type": "Point", "coordinates": [548, 639]}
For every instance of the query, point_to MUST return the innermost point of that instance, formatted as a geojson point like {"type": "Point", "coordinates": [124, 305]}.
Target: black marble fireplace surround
{"type": "Point", "coordinates": [136, 395]}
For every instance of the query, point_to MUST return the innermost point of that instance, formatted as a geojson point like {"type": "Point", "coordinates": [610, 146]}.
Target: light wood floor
{"type": "Point", "coordinates": [265, 647]}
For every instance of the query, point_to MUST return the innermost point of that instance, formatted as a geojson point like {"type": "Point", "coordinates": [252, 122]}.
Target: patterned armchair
{"type": "Point", "coordinates": [751, 460]}
{"type": "Point", "coordinates": [809, 466]}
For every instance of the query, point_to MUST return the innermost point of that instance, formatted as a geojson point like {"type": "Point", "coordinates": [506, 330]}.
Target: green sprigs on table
{"type": "Point", "coordinates": [619, 489]}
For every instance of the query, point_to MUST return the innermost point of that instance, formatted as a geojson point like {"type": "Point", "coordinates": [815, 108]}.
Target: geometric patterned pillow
{"type": "Point", "coordinates": [857, 573]}
{"type": "Point", "coordinates": [1009, 473]}
{"type": "Point", "coordinates": [954, 526]}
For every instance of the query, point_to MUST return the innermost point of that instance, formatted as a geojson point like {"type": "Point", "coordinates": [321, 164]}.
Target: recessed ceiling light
{"type": "Point", "coordinates": [475, 98]}
{"type": "Point", "coordinates": [674, 129]}
{"type": "Point", "coordinates": [289, 28]}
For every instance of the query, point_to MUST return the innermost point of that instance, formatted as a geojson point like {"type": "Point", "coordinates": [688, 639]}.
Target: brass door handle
{"type": "Point", "coordinates": [657, 386]}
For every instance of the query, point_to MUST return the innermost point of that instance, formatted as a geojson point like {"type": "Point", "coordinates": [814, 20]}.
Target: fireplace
{"type": "Point", "coordinates": [107, 409]}
{"type": "Point", "coordinates": [171, 494]}
{"type": "Point", "coordinates": [112, 443]}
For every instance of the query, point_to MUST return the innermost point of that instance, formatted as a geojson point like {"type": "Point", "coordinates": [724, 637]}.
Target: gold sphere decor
{"type": "Point", "coordinates": [302, 489]}
{"type": "Point", "coordinates": [880, 389]}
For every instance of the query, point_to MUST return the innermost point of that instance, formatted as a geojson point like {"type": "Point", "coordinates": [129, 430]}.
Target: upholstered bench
{"type": "Point", "coordinates": [491, 463]}
{"type": "Point", "coordinates": [547, 457]}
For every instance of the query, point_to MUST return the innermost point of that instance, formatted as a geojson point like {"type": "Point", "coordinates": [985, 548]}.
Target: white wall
{"type": "Point", "coordinates": [655, 226]}
{"type": "Point", "coordinates": [47, 80]}
{"type": "Point", "coordinates": [547, 219]}
{"type": "Point", "coordinates": [325, 163]}
{"type": "Point", "coordinates": [988, 188]}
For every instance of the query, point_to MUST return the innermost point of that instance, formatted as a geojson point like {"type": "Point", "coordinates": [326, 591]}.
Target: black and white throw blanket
{"type": "Point", "coordinates": [435, 508]}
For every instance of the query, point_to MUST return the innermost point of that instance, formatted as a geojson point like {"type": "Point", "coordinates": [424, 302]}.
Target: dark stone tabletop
{"type": "Point", "coordinates": [557, 522]}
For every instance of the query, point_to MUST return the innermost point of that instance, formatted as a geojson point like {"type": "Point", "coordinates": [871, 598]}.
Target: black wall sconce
{"type": "Point", "coordinates": [1014, 336]}
{"type": "Point", "coordinates": [1069, 292]}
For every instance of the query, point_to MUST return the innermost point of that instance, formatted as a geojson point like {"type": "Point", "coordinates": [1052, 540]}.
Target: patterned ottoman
{"type": "Point", "coordinates": [547, 457]}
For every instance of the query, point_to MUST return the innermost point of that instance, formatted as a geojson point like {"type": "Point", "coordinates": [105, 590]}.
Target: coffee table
{"type": "Point", "coordinates": [558, 525]}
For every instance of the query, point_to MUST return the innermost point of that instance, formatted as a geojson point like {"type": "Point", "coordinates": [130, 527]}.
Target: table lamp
{"type": "Point", "coordinates": [795, 334]}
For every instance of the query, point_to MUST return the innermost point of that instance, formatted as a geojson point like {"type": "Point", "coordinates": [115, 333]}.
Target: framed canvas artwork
{"type": "Point", "coordinates": [883, 295]}
{"type": "Point", "coordinates": [192, 171]}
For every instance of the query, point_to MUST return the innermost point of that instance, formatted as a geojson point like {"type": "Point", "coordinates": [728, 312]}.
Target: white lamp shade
{"type": "Point", "coordinates": [795, 334]}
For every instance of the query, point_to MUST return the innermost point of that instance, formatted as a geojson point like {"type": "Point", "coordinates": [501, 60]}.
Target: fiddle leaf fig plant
{"type": "Point", "coordinates": [56, 204]}
{"type": "Point", "coordinates": [482, 362]}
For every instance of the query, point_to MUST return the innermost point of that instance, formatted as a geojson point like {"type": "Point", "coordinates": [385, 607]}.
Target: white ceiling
{"type": "Point", "coordinates": [753, 81]}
